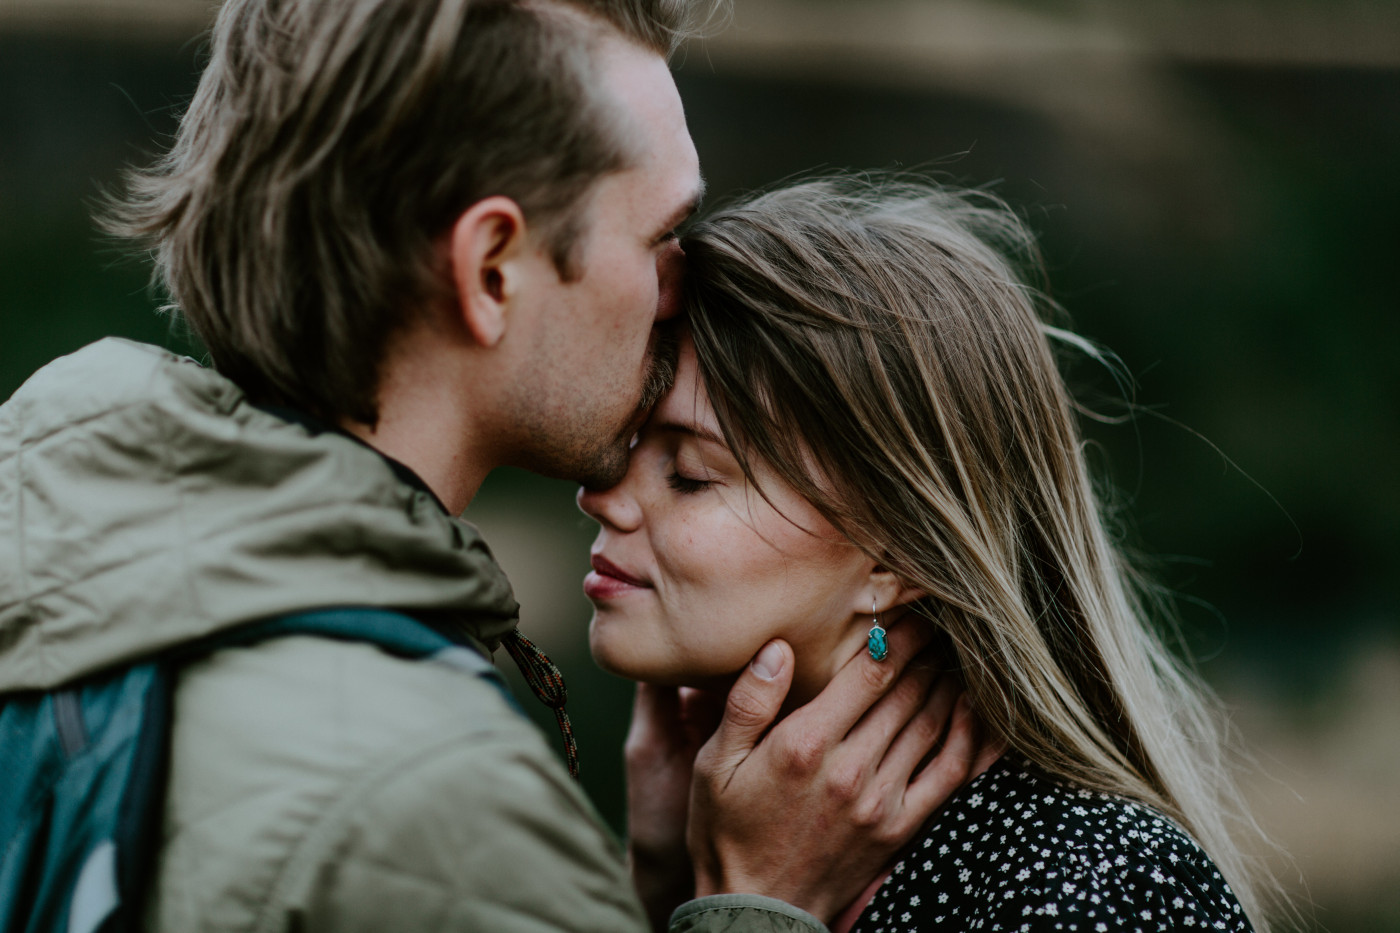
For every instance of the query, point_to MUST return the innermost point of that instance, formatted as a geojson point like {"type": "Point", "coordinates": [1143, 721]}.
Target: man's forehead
{"type": "Point", "coordinates": [638, 86]}
{"type": "Point", "coordinates": [662, 183]}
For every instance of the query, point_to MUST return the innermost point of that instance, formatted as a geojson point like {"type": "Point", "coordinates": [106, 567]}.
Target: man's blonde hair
{"type": "Point", "coordinates": [329, 146]}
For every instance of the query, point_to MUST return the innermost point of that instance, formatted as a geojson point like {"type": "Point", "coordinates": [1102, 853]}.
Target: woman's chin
{"type": "Point", "coordinates": [628, 665]}
{"type": "Point", "coordinates": [621, 658]}
{"type": "Point", "coordinates": [615, 666]}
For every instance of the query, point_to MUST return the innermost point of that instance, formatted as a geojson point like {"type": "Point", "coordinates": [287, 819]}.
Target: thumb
{"type": "Point", "coordinates": [753, 704]}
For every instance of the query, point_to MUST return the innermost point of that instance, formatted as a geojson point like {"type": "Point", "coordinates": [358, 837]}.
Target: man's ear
{"type": "Point", "coordinates": [484, 249]}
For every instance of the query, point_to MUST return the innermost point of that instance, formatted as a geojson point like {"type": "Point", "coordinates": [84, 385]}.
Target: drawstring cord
{"type": "Point", "coordinates": [547, 682]}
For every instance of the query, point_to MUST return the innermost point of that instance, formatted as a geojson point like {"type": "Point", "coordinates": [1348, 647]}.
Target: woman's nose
{"type": "Point", "coordinates": [613, 508]}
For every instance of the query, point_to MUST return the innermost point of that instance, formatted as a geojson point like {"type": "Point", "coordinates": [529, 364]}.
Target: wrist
{"type": "Point", "coordinates": [705, 870]}
{"type": "Point", "coordinates": [644, 859]}
{"type": "Point", "coordinates": [662, 881]}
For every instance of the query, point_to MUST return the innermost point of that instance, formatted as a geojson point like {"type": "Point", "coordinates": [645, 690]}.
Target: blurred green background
{"type": "Point", "coordinates": [1217, 186]}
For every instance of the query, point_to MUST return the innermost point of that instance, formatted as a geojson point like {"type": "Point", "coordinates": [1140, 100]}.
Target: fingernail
{"type": "Point", "coordinates": [769, 662]}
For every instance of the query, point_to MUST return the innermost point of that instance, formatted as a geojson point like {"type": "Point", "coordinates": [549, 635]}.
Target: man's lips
{"type": "Point", "coordinates": [608, 581]}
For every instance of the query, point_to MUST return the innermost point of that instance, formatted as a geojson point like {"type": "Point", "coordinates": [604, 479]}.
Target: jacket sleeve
{"type": "Point", "coordinates": [495, 836]}
{"type": "Point", "coordinates": [490, 835]}
{"type": "Point", "coordinates": [742, 913]}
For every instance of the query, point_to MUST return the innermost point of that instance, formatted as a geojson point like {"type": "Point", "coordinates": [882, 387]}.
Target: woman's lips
{"type": "Point", "coordinates": [609, 580]}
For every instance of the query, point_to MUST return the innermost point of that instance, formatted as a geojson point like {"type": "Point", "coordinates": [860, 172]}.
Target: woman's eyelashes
{"type": "Point", "coordinates": [688, 471]}
{"type": "Point", "coordinates": [686, 484]}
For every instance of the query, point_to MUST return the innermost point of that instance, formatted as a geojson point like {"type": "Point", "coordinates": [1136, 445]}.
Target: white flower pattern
{"type": "Point", "coordinates": [1022, 852]}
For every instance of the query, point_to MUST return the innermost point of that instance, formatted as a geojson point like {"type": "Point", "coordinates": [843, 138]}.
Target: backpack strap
{"type": "Point", "coordinates": [397, 633]}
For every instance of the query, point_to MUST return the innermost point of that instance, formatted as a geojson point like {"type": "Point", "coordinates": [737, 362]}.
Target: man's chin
{"type": "Point", "coordinates": [608, 467]}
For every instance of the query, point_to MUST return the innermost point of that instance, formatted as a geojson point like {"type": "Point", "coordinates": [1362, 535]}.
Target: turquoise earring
{"type": "Point", "coordinates": [875, 642]}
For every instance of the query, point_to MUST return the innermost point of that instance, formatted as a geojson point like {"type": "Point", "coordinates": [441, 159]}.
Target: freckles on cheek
{"type": "Point", "coordinates": [688, 548]}
{"type": "Point", "coordinates": [740, 567]}
{"type": "Point", "coordinates": [697, 550]}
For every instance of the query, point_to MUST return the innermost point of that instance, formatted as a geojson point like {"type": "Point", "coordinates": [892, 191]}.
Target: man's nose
{"type": "Point", "coordinates": [670, 269]}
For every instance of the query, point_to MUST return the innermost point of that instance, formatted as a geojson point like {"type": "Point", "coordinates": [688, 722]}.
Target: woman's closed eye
{"type": "Point", "coordinates": [695, 458]}
{"type": "Point", "coordinates": [687, 484]}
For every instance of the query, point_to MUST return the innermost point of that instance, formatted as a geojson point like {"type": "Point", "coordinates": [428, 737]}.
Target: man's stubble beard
{"type": "Point", "coordinates": [609, 465]}
{"type": "Point", "coordinates": [593, 454]}
{"type": "Point", "coordinates": [661, 365]}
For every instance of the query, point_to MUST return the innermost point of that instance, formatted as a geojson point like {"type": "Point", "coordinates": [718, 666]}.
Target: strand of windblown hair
{"type": "Point", "coordinates": [547, 683]}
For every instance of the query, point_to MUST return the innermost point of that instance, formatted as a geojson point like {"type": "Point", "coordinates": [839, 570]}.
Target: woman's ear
{"type": "Point", "coordinates": [484, 247]}
{"type": "Point", "coordinates": [888, 591]}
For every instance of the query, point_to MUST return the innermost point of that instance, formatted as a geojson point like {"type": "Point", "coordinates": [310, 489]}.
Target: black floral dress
{"type": "Point", "coordinates": [1020, 851]}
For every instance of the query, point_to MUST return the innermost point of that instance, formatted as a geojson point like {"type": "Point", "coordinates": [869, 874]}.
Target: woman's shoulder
{"type": "Point", "coordinates": [1021, 850]}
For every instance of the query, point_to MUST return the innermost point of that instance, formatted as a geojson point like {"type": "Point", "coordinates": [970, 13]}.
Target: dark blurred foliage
{"type": "Point", "coordinates": [1245, 277]}
{"type": "Point", "coordinates": [73, 112]}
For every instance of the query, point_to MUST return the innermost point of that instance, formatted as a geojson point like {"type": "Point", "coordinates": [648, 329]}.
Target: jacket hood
{"type": "Point", "coordinates": [144, 502]}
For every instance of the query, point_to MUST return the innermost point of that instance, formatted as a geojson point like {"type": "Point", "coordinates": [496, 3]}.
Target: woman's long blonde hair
{"type": "Point", "coordinates": [878, 330]}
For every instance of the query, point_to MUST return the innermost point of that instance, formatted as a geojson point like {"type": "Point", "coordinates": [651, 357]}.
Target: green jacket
{"type": "Point", "coordinates": [314, 785]}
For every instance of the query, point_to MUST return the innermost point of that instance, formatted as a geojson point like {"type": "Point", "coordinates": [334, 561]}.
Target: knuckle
{"type": "Point", "coordinates": [912, 690]}
{"type": "Point", "coordinates": [892, 834]}
{"type": "Point", "coordinates": [870, 813]}
{"type": "Point", "coordinates": [879, 676]}
{"type": "Point", "coordinates": [636, 748]}
{"type": "Point", "coordinates": [803, 755]}
{"type": "Point", "coordinates": [928, 726]}
{"type": "Point", "coordinates": [707, 766]}
{"type": "Point", "coordinates": [844, 784]}
{"type": "Point", "coordinates": [745, 710]}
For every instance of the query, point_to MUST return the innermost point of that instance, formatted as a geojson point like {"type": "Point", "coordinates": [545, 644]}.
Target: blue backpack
{"type": "Point", "coordinates": [82, 771]}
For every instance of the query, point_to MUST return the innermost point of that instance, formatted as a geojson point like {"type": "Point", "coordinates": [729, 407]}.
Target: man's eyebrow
{"type": "Point", "coordinates": [688, 209]}
{"type": "Point", "coordinates": [692, 429]}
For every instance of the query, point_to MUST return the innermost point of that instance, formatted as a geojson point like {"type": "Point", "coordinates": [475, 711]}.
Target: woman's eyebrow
{"type": "Point", "coordinates": [694, 430]}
